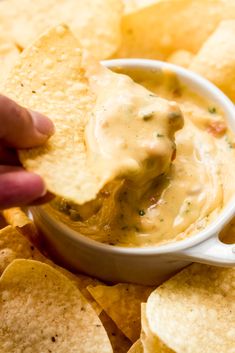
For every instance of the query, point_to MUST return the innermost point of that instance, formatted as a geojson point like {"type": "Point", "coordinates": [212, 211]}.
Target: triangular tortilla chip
{"type": "Point", "coordinates": [122, 303]}
{"type": "Point", "coordinates": [50, 78]}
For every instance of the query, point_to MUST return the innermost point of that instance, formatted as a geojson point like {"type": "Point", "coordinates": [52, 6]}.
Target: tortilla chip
{"type": "Point", "coordinates": [50, 78]}
{"type": "Point", "coordinates": [14, 245]}
{"type": "Point", "coordinates": [17, 218]}
{"type": "Point", "coordinates": [42, 311]}
{"type": "Point", "coordinates": [119, 342]}
{"type": "Point", "coordinates": [55, 77]}
{"type": "Point", "coordinates": [216, 58]}
{"type": "Point", "coordinates": [195, 309]}
{"type": "Point", "coordinates": [122, 303]}
{"type": "Point", "coordinates": [181, 58]}
{"type": "Point", "coordinates": [79, 282]}
{"type": "Point", "coordinates": [136, 347]}
{"type": "Point", "coordinates": [150, 343]}
{"type": "Point", "coordinates": [154, 32]}
{"type": "Point", "coordinates": [96, 23]}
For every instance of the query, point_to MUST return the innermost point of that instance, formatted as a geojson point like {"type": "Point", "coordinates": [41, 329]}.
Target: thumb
{"type": "Point", "coordinates": [22, 128]}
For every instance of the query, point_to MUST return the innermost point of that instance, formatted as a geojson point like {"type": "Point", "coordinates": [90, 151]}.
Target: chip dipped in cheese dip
{"type": "Point", "coordinates": [137, 208]}
{"type": "Point", "coordinates": [130, 134]}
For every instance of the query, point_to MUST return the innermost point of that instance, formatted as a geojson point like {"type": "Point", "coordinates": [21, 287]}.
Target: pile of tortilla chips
{"type": "Point", "coordinates": [47, 308]}
{"type": "Point", "coordinates": [44, 307]}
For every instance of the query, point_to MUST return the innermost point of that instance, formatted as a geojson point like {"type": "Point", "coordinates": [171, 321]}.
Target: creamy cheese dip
{"type": "Point", "coordinates": [172, 202]}
{"type": "Point", "coordinates": [130, 134]}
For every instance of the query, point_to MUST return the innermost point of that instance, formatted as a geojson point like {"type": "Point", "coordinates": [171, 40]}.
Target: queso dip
{"type": "Point", "coordinates": [178, 200]}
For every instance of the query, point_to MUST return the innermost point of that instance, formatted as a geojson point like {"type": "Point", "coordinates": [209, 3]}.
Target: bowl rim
{"type": "Point", "coordinates": [215, 226]}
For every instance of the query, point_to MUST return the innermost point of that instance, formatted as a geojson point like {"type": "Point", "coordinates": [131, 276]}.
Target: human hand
{"type": "Point", "coordinates": [20, 128]}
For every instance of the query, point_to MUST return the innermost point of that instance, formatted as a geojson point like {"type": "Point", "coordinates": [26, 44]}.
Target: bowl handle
{"type": "Point", "coordinates": [211, 251]}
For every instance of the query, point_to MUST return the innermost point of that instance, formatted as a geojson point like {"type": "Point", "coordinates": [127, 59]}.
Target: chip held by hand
{"type": "Point", "coordinates": [107, 126]}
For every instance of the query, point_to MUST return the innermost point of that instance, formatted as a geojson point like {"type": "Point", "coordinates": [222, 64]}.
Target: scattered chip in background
{"type": "Point", "coordinates": [195, 309]}
{"type": "Point", "coordinates": [44, 312]}
{"type": "Point", "coordinates": [96, 23]}
{"type": "Point", "coordinates": [13, 245]}
{"type": "Point", "coordinates": [181, 58]}
{"type": "Point", "coordinates": [18, 219]}
{"type": "Point", "coordinates": [155, 31]}
{"type": "Point", "coordinates": [216, 59]}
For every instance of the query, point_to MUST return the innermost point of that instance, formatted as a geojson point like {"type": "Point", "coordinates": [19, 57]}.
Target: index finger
{"type": "Point", "coordinates": [21, 128]}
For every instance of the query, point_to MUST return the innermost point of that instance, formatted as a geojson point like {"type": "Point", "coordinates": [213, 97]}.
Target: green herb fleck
{"type": "Point", "coordinates": [212, 110]}
{"type": "Point", "coordinates": [159, 135]}
{"type": "Point", "coordinates": [161, 220]}
{"type": "Point", "coordinates": [141, 212]}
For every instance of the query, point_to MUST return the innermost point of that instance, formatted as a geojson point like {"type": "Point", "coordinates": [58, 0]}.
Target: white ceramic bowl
{"type": "Point", "coordinates": [150, 265]}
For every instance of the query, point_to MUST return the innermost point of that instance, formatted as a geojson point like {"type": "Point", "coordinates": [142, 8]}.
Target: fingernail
{"type": "Point", "coordinates": [44, 191]}
{"type": "Point", "coordinates": [44, 125]}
